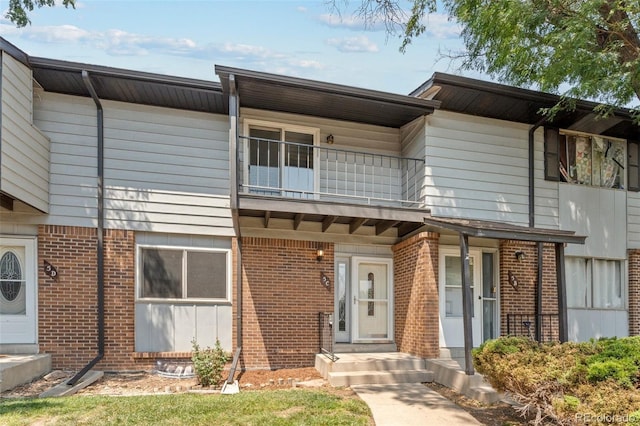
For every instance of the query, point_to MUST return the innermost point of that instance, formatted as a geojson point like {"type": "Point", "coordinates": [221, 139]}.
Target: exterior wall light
{"type": "Point", "coordinates": [320, 255]}
{"type": "Point", "coordinates": [330, 139]}
{"type": "Point", "coordinates": [520, 255]}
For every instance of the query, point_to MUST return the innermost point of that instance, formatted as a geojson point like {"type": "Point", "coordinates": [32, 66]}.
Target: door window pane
{"type": "Point", "coordinates": [13, 299]}
{"type": "Point", "coordinates": [264, 158]}
{"type": "Point", "coordinates": [453, 286]}
{"type": "Point", "coordinates": [342, 296]}
{"type": "Point", "coordinates": [488, 277]}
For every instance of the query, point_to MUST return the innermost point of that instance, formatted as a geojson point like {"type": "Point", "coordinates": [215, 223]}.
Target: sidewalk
{"type": "Point", "coordinates": [412, 404]}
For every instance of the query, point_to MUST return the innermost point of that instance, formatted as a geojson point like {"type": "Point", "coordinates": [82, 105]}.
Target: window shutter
{"type": "Point", "coordinates": [551, 157]}
{"type": "Point", "coordinates": [633, 166]}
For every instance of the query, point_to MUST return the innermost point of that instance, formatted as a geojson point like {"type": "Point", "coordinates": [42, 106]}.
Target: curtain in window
{"type": "Point", "coordinates": [607, 284]}
{"type": "Point", "coordinates": [578, 278]}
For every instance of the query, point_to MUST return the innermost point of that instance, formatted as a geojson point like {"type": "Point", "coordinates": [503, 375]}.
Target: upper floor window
{"type": "Point", "coordinates": [590, 160]}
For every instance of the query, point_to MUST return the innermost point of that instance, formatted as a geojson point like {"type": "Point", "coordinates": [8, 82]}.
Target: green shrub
{"type": "Point", "coordinates": [557, 381]}
{"type": "Point", "coordinates": [620, 370]}
{"type": "Point", "coordinates": [208, 363]}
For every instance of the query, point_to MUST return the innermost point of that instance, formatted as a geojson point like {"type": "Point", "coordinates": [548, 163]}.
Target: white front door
{"type": "Point", "coordinates": [372, 300]}
{"type": "Point", "coordinates": [451, 320]}
{"type": "Point", "coordinates": [18, 287]}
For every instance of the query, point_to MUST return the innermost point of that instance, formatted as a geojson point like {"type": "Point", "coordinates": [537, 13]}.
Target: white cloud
{"type": "Point", "coordinates": [117, 42]}
{"type": "Point", "coordinates": [350, 22]}
{"type": "Point", "coordinates": [437, 24]}
{"type": "Point", "coordinates": [353, 44]}
{"type": "Point", "coordinates": [441, 26]}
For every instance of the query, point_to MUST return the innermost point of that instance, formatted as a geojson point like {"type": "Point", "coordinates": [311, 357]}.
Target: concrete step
{"type": "Point", "coordinates": [19, 369]}
{"type": "Point", "coordinates": [344, 348]}
{"type": "Point", "coordinates": [448, 373]}
{"type": "Point", "coordinates": [377, 362]}
{"type": "Point", "coordinates": [379, 377]}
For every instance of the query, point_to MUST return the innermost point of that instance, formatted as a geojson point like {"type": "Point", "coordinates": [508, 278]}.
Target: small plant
{"type": "Point", "coordinates": [208, 363]}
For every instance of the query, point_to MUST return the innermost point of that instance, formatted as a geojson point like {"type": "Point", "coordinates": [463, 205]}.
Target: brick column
{"type": "Point", "coordinates": [634, 292]}
{"type": "Point", "coordinates": [415, 280]}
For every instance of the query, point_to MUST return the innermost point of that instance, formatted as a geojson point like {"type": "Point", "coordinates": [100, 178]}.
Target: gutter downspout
{"type": "Point", "coordinates": [532, 223]}
{"type": "Point", "coordinates": [100, 250]}
{"type": "Point", "coordinates": [235, 216]}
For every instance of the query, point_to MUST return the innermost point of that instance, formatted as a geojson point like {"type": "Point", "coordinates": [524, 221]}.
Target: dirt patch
{"type": "Point", "coordinates": [141, 383]}
{"type": "Point", "coordinates": [500, 414]}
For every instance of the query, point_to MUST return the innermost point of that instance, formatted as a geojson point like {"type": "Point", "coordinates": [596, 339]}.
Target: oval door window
{"type": "Point", "coordinates": [11, 284]}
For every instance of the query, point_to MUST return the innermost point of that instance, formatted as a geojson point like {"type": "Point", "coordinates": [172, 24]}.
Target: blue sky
{"type": "Point", "coordinates": [299, 38]}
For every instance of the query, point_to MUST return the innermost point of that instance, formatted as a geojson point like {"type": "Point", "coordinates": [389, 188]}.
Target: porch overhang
{"type": "Point", "coordinates": [404, 220]}
{"type": "Point", "coordinates": [504, 231]}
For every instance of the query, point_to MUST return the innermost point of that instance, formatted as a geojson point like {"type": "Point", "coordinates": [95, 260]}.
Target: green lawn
{"type": "Point", "coordinates": [281, 407]}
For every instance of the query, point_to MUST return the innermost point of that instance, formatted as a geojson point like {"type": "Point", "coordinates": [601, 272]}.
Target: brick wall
{"type": "Point", "coordinates": [415, 277]}
{"type": "Point", "coordinates": [282, 296]}
{"type": "Point", "coordinates": [523, 300]}
{"type": "Point", "coordinates": [67, 308]}
{"type": "Point", "coordinates": [634, 292]}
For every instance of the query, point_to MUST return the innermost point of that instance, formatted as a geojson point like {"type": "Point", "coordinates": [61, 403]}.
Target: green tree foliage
{"type": "Point", "coordinates": [19, 9]}
{"type": "Point", "coordinates": [590, 46]}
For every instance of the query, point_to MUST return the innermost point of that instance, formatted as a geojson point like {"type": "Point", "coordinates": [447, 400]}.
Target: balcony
{"type": "Point", "coordinates": [272, 168]}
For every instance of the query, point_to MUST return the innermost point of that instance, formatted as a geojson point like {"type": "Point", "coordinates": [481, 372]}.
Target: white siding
{"type": "Point", "coordinates": [413, 142]}
{"type": "Point", "coordinates": [546, 192]}
{"type": "Point", "coordinates": [24, 166]}
{"type": "Point", "coordinates": [585, 324]}
{"type": "Point", "coordinates": [633, 217]}
{"type": "Point", "coordinates": [172, 327]}
{"type": "Point", "coordinates": [165, 170]}
{"type": "Point", "coordinates": [476, 168]}
{"type": "Point", "coordinates": [598, 213]}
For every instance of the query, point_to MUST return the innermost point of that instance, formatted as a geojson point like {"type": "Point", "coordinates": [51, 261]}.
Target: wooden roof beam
{"type": "Point", "coordinates": [356, 224]}
{"type": "Point", "coordinates": [327, 222]}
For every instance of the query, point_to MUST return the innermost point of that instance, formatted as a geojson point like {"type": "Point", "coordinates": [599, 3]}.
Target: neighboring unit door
{"type": "Point", "coordinates": [451, 314]}
{"type": "Point", "coordinates": [372, 304]}
{"type": "Point", "coordinates": [18, 315]}
{"type": "Point", "coordinates": [342, 317]}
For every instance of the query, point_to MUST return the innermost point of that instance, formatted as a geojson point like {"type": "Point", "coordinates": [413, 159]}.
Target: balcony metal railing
{"type": "Point", "coordinates": [298, 170]}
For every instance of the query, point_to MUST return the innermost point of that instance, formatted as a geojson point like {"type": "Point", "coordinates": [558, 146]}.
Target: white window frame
{"type": "Point", "coordinates": [590, 284]}
{"type": "Point", "coordinates": [183, 300]}
{"type": "Point", "coordinates": [623, 175]}
{"type": "Point", "coordinates": [283, 127]}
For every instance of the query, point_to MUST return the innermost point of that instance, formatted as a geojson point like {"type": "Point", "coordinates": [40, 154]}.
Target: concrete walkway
{"type": "Point", "coordinates": [412, 404]}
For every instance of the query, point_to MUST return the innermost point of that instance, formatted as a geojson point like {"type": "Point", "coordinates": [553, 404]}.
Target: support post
{"type": "Point", "coordinates": [538, 319]}
{"type": "Point", "coordinates": [563, 326]}
{"type": "Point", "coordinates": [467, 304]}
